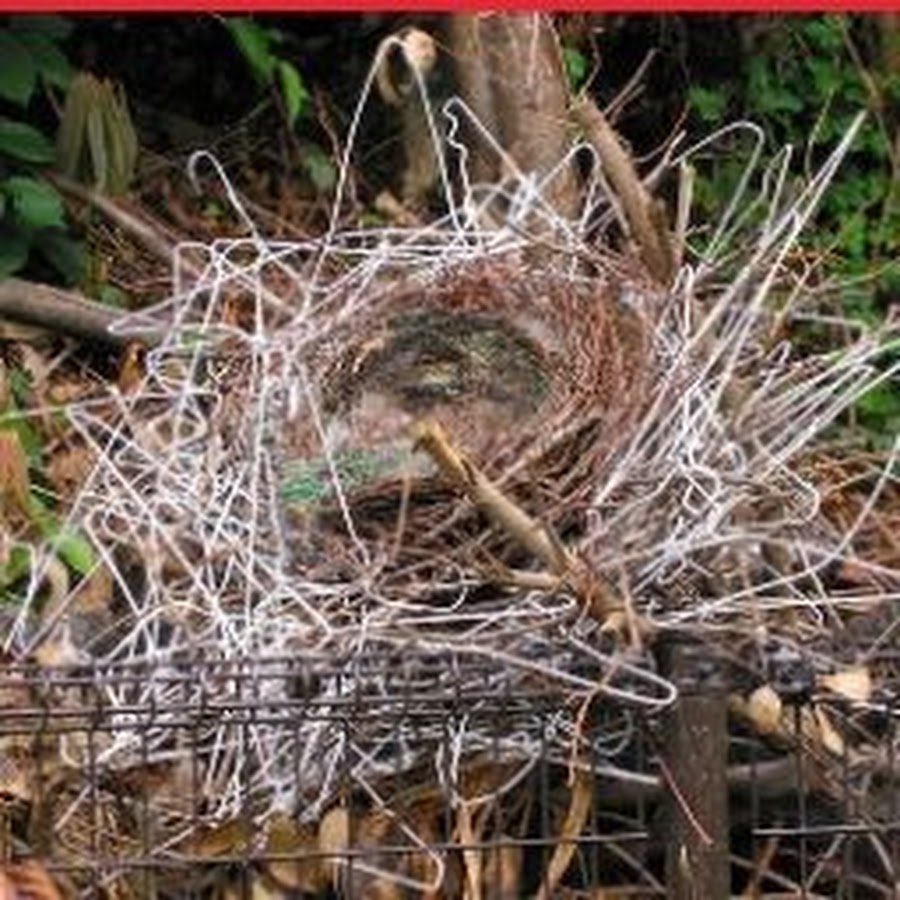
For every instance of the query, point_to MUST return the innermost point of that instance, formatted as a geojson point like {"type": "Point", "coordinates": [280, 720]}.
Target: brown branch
{"type": "Point", "coordinates": [644, 215]}
{"type": "Point", "coordinates": [532, 534]}
{"type": "Point", "coordinates": [30, 303]}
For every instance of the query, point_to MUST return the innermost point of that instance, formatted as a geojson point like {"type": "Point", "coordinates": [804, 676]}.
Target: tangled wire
{"type": "Point", "coordinates": [258, 495]}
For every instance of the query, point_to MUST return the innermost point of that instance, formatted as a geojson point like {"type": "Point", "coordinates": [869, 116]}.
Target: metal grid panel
{"type": "Point", "coordinates": [119, 799]}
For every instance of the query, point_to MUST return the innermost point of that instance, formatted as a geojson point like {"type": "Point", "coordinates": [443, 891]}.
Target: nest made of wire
{"type": "Point", "coordinates": [258, 493]}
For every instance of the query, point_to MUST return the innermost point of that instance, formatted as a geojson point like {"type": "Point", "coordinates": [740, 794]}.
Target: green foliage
{"type": "Point", "coordinates": [803, 79]}
{"type": "Point", "coordinates": [32, 219]}
{"type": "Point", "coordinates": [33, 203]}
{"type": "Point", "coordinates": [709, 104]}
{"type": "Point", "coordinates": [576, 64]}
{"type": "Point", "coordinates": [22, 451]}
{"type": "Point", "coordinates": [308, 482]}
{"type": "Point", "coordinates": [799, 81]}
{"type": "Point", "coordinates": [259, 46]}
{"type": "Point", "coordinates": [262, 48]}
{"type": "Point", "coordinates": [22, 143]}
{"type": "Point", "coordinates": [878, 410]}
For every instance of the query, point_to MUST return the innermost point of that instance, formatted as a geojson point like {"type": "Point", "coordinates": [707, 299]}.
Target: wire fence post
{"type": "Point", "coordinates": [693, 759]}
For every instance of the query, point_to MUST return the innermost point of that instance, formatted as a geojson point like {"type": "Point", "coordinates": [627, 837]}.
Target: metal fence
{"type": "Point", "coordinates": [424, 785]}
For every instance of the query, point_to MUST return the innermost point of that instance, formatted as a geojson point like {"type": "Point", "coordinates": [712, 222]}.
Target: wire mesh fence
{"type": "Point", "coordinates": [115, 795]}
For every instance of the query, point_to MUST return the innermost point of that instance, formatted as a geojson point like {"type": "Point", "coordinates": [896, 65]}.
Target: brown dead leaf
{"type": "Point", "coordinates": [94, 592]}
{"type": "Point", "coordinates": [853, 684]}
{"type": "Point", "coordinates": [334, 838]}
{"type": "Point", "coordinates": [132, 367]}
{"type": "Point", "coordinates": [764, 709]}
{"type": "Point", "coordinates": [15, 485]}
{"type": "Point", "coordinates": [503, 872]}
{"type": "Point", "coordinates": [287, 837]}
{"type": "Point", "coordinates": [228, 839]}
{"type": "Point", "coordinates": [66, 389]}
{"type": "Point", "coordinates": [826, 734]}
{"type": "Point", "coordinates": [68, 468]}
{"type": "Point", "coordinates": [26, 880]}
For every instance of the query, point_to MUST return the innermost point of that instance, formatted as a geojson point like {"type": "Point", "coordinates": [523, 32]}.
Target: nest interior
{"type": "Point", "coordinates": [537, 378]}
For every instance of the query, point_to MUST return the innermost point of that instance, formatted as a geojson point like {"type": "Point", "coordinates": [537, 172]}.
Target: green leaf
{"type": "Point", "coordinates": [21, 384]}
{"type": "Point", "coordinates": [254, 43]}
{"type": "Point", "coordinates": [71, 546]}
{"type": "Point", "coordinates": [293, 90]}
{"type": "Point", "coordinates": [710, 104]}
{"type": "Point", "coordinates": [55, 27]}
{"type": "Point", "coordinates": [112, 296]}
{"type": "Point", "coordinates": [576, 66]}
{"type": "Point", "coordinates": [35, 203]}
{"type": "Point", "coordinates": [24, 142]}
{"type": "Point", "coordinates": [16, 566]}
{"type": "Point", "coordinates": [65, 254]}
{"type": "Point", "coordinates": [880, 403]}
{"type": "Point", "coordinates": [13, 251]}
{"type": "Point", "coordinates": [74, 549]}
{"type": "Point", "coordinates": [18, 73]}
{"type": "Point", "coordinates": [50, 62]}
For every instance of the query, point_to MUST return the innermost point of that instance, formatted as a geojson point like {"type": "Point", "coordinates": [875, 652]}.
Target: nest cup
{"type": "Point", "coordinates": [537, 376]}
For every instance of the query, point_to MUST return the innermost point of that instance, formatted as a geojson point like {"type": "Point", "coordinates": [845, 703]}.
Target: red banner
{"type": "Point", "coordinates": [77, 6]}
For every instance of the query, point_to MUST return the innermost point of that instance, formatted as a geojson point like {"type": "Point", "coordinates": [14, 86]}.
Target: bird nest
{"type": "Point", "coordinates": [452, 441]}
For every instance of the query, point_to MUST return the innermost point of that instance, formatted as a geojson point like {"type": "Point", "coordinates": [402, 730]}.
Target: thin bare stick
{"type": "Point", "coordinates": [532, 534]}
{"type": "Point", "coordinates": [137, 226]}
{"type": "Point", "coordinates": [576, 816]}
{"type": "Point", "coordinates": [645, 216]}
{"type": "Point", "coordinates": [31, 303]}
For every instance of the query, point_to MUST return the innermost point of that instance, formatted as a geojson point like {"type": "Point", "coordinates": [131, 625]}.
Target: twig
{"type": "Point", "coordinates": [576, 816]}
{"type": "Point", "coordinates": [31, 303]}
{"type": "Point", "coordinates": [645, 215]}
{"type": "Point", "coordinates": [533, 535]}
{"type": "Point", "coordinates": [686, 810]}
{"type": "Point", "coordinates": [598, 597]}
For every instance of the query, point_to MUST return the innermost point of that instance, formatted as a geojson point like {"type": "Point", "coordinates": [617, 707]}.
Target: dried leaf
{"type": "Point", "coordinates": [827, 734]}
{"type": "Point", "coordinates": [228, 839]}
{"type": "Point", "coordinates": [14, 765]}
{"type": "Point", "coordinates": [503, 872]}
{"type": "Point", "coordinates": [132, 367]}
{"type": "Point", "coordinates": [764, 710]}
{"type": "Point", "coordinates": [15, 485]}
{"type": "Point", "coordinates": [854, 684]}
{"type": "Point", "coordinates": [27, 880]}
{"type": "Point", "coordinates": [334, 838]}
{"type": "Point", "coordinates": [576, 816]}
{"type": "Point", "coordinates": [287, 837]}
